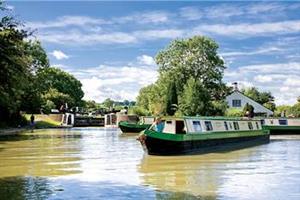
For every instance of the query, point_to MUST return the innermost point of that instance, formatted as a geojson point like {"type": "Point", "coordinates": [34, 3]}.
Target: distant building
{"type": "Point", "coordinates": [239, 100]}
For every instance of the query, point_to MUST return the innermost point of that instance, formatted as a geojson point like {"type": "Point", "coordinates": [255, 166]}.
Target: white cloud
{"type": "Point", "coordinates": [248, 29]}
{"type": "Point", "coordinates": [146, 60]}
{"type": "Point", "coordinates": [263, 79]}
{"type": "Point", "coordinates": [155, 17]}
{"type": "Point", "coordinates": [159, 34]}
{"type": "Point", "coordinates": [9, 7]}
{"type": "Point", "coordinates": [81, 38]}
{"type": "Point", "coordinates": [190, 13]}
{"type": "Point", "coordinates": [255, 52]}
{"type": "Point", "coordinates": [67, 21]}
{"type": "Point", "coordinates": [59, 55]}
{"type": "Point", "coordinates": [115, 82]}
{"type": "Point", "coordinates": [227, 10]}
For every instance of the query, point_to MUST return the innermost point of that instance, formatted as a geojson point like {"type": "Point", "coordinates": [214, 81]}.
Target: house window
{"type": "Point", "coordinates": [208, 126]}
{"type": "Point", "coordinates": [236, 103]}
{"type": "Point", "coordinates": [236, 126]}
{"type": "Point", "coordinates": [197, 126]}
{"type": "Point", "coordinates": [250, 126]}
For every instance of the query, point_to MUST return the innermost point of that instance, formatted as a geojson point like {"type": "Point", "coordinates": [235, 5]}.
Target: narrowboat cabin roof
{"type": "Point", "coordinates": [212, 118]}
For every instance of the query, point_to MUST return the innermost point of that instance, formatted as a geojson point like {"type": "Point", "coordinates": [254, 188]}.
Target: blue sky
{"type": "Point", "coordinates": [110, 46]}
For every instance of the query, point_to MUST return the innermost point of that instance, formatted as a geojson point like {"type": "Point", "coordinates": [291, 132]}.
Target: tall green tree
{"type": "Point", "coordinates": [152, 99]}
{"type": "Point", "coordinates": [61, 81]}
{"type": "Point", "coordinates": [172, 99]}
{"type": "Point", "coordinates": [195, 103]}
{"type": "Point", "coordinates": [196, 58]}
{"type": "Point", "coordinates": [14, 67]}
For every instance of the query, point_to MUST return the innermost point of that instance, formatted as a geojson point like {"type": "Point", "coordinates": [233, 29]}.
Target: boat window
{"type": "Point", "coordinates": [169, 122]}
{"type": "Point", "coordinates": [180, 127]}
{"type": "Point", "coordinates": [230, 125]}
{"type": "Point", "coordinates": [257, 126]}
{"type": "Point", "coordinates": [208, 126]}
{"type": "Point", "coordinates": [236, 126]}
{"type": "Point", "coordinates": [250, 126]}
{"type": "Point", "coordinates": [282, 122]}
{"type": "Point", "coordinates": [226, 126]}
{"type": "Point", "coordinates": [271, 121]}
{"type": "Point", "coordinates": [197, 126]}
{"type": "Point", "coordinates": [262, 122]}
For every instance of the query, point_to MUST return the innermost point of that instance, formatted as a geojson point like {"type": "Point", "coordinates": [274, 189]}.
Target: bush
{"type": "Point", "coordinates": [48, 106]}
{"type": "Point", "coordinates": [234, 112]}
{"type": "Point", "coordinates": [138, 111]}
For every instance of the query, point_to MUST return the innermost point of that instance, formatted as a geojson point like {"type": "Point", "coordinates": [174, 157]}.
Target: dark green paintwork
{"type": "Point", "coordinates": [281, 127]}
{"type": "Point", "coordinates": [127, 127]}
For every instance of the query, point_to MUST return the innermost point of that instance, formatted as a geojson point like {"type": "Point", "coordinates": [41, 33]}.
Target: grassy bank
{"type": "Point", "coordinates": [44, 121]}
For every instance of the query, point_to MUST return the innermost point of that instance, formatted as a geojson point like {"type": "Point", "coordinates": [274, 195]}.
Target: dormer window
{"type": "Point", "coordinates": [236, 103]}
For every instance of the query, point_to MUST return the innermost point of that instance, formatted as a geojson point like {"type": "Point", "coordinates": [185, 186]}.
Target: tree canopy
{"type": "Point", "coordinates": [190, 64]}
{"type": "Point", "coordinates": [26, 78]}
{"type": "Point", "coordinates": [264, 98]}
{"type": "Point", "coordinates": [54, 78]}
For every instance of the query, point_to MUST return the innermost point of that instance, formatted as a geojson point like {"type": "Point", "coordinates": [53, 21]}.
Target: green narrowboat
{"type": "Point", "coordinates": [129, 127]}
{"type": "Point", "coordinates": [202, 135]}
{"type": "Point", "coordinates": [282, 126]}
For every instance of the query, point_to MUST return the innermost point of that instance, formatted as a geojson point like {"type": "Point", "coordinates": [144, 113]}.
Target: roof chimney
{"type": "Point", "coordinates": [235, 86]}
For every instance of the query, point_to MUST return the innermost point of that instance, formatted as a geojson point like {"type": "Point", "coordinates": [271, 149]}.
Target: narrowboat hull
{"type": "Point", "coordinates": [132, 128]}
{"type": "Point", "coordinates": [283, 130]}
{"type": "Point", "coordinates": [155, 143]}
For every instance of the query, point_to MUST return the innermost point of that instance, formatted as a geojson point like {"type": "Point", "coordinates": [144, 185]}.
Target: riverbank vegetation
{"type": "Point", "coordinates": [28, 82]}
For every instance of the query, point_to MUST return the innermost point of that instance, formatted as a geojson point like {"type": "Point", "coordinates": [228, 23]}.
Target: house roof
{"type": "Point", "coordinates": [236, 91]}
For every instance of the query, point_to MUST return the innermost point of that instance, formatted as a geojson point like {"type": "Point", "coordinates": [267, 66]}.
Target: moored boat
{"type": "Point", "coordinates": [202, 135]}
{"type": "Point", "coordinates": [280, 126]}
{"type": "Point", "coordinates": [129, 127]}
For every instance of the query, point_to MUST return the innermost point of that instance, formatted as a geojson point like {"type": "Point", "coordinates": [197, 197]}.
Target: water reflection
{"type": "Point", "coordinates": [43, 153]}
{"type": "Point", "coordinates": [197, 175]}
{"type": "Point", "coordinates": [99, 163]}
{"type": "Point", "coordinates": [24, 188]}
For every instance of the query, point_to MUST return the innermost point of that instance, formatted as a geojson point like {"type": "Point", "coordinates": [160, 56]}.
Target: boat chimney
{"type": "Point", "coordinates": [235, 86]}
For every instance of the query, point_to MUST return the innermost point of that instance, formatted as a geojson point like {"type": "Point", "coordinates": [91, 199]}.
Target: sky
{"type": "Point", "coordinates": [111, 46]}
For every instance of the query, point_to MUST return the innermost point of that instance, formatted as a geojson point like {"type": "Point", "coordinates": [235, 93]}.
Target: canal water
{"type": "Point", "coordinates": [102, 163]}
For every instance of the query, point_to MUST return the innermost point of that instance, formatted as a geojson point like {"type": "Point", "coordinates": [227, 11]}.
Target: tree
{"type": "Point", "coordinates": [152, 99]}
{"type": "Point", "coordinates": [108, 103]}
{"type": "Point", "coordinates": [264, 98]}
{"type": "Point", "coordinates": [184, 59]}
{"type": "Point", "coordinates": [283, 110]}
{"type": "Point", "coordinates": [57, 98]}
{"type": "Point", "coordinates": [91, 105]}
{"type": "Point", "coordinates": [194, 57]}
{"type": "Point", "coordinates": [256, 95]}
{"type": "Point", "coordinates": [61, 81]}
{"type": "Point", "coordinates": [14, 67]}
{"type": "Point", "coordinates": [172, 100]}
{"type": "Point", "coordinates": [194, 103]}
